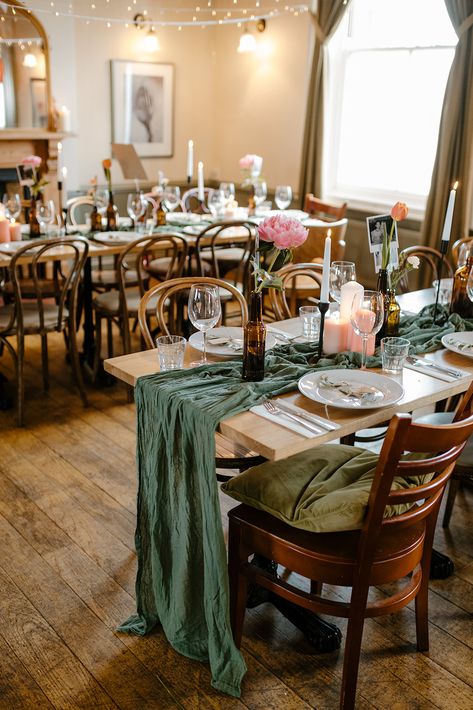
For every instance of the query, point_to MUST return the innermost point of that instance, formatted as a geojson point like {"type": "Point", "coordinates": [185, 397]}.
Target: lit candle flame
{"type": "Point", "coordinates": [455, 185]}
{"type": "Point", "coordinates": [329, 233]}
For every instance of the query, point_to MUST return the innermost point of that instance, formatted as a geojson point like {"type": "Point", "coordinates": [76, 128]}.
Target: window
{"type": "Point", "coordinates": [388, 66]}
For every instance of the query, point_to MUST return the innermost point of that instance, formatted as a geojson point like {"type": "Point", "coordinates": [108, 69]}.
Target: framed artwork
{"type": "Point", "coordinates": [143, 106]}
{"type": "Point", "coordinates": [39, 103]}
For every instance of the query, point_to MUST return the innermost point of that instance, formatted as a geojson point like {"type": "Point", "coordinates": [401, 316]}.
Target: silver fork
{"type": "Point", "coordinates": [273, 409]}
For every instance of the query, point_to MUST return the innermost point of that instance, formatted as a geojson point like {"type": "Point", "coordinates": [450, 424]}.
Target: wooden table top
{"type": "Point", "coordinates": [276, 442]}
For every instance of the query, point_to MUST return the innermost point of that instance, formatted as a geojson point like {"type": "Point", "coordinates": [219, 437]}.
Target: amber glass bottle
{"type": "Point", "coordinates": [35, 228]}
{"type": "Point", "coordinates": [160, 215]}
{"type": "Point", "coordinates": [254, 340]}
{"type": "Point", "coordinates": [461, 303]}
{"type": "Point", "coordinates": [393, 317]}
{"type": "Point", "coordinates": [95, 220]}
{"type": "Point", "coordinates": [111, 213]}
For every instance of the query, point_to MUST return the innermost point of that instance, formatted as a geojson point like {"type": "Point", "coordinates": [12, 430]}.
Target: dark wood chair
{"type": "Point", "coordinates": [301, 281]}
{"type": "Point", "coordinates": [324, 210]}
{"type": "Point", "coordinates": [190, 201]}
{"type": "Point", "coordinates": [313, 247]}
{"type": "Point", "coordinates": [429, 258]}
{"type": "Point", "coordinates": [44, 312]}
{"type": "Point", "coordinates": [384, 550]}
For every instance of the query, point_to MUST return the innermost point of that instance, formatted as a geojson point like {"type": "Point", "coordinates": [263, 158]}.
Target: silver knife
{"type": "Point", "coordinates": [308, 417]}
{"type": "Point", "coordinates": [426, 363]}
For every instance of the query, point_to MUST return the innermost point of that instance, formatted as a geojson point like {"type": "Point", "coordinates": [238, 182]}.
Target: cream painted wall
{"type": "Point", "coordinates": [228, 103]}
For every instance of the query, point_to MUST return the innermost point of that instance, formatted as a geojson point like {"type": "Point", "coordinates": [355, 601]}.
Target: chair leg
{"type": "Point", "coordinates": [453, 487]}
{"type": "Point", "coordinates": [44, 361]}
{"type": "Point", "coordinates": [422, 598]}
{"type": "Point", "coordinates": [351, 660]}
{"type": "Point", "coordinates": [237, 582]}
{"type": "Point", "coordinates": [98, 343]}
{"type": "Point", "coordinates": [19, 379]}
{"type": "Point", "coordinates": [109, 337]}
{"type": "Point", "coordinates": [75, 362]}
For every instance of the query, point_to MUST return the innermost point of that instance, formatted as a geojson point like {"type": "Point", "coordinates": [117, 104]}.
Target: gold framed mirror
{"type": "Point", "coordinates": [25, 81]}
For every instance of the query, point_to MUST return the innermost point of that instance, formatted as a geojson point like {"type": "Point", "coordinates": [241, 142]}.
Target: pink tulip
{"type": "Point", "coordinates": [284, 232]}
{"type": "Point", "coordinates": [399, 211]}
{"type": "Point", "coordinates": [33, 160]}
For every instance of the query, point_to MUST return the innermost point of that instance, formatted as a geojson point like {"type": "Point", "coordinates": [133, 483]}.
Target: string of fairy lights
{"type": "Point", "coordinates": [133, 14]}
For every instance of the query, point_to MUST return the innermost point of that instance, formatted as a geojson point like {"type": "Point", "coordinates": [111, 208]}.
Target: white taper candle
{"type": "Point", "coordinates": [326, 272]}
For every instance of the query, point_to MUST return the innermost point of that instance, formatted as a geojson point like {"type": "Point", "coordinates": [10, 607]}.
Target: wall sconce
{"type": "Point", "coordinates": [30, 61]}
{"type": "Point", "coordinates": [150, 40]}
{"type": "Point", "coordinates": [248, 41]}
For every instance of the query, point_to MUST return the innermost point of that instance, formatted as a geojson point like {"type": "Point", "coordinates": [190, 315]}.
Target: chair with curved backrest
{"type": "Point", "coordinates": [313, 247]}
{"type": "Point", "coordinates": [162, 299]}
{"type": "Point", "coordinates": [39, 316]}
{"type": "Point", "coordinates": [190, 201]}
{"type": "Point", "coordinates": [384, 550]}
{"type": "Point", "coordinates": [294, 277]}
{"type": "Point", "coordinates": [79, 208]}
{"type": "Point", "coordinates": [459, 247]}
{"type": "Point", "coordinates": [429, 257]}
{"type": "Point", "coordinates": [324, 210]}
{"type": "Point", "coordinates": [122, 304]}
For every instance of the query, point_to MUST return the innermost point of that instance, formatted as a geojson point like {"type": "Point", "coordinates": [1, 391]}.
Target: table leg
{"type": "Point", "coordinates": [88, 346]}
{"type": "Point", "coordinates": [325, 637]}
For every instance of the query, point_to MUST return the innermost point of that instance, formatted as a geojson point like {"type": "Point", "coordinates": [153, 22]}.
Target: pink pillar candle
{"type": "Point", "coordinates": [355, 343]}
{"type": "Point", "coordinates": [15, 231]}
{"type": "Point", "coordinates": [4, 230]}
{"type": "Point", "coordinates": [336, 332]}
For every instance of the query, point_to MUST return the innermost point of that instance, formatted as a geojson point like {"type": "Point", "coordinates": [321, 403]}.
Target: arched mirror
{"type": "Point", "coordinates": [25, 88]}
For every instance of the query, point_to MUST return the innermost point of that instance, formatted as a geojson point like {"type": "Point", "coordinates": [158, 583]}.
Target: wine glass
{"type": "Point", "coordinates": [171, 197]}
{"type": "Point", "coordinates": [45, 214]}
{"type": "Point", "coordinates": [12, 206]}
{"type": "Point", "coordinates": [204, 310]}
{"type": "Point", "coordinates": [283, 196]}
{"type": "Point", "coordinates": [215, 202]}
{"type": "Point", "coordinates": [135, 206]}
{"type": "Point", "coordinates": [340, 273]}
{"type": "Point", "coordinates": [367, 315]}
{"type": "Point", "coordinates": [260, 192]}
{"type": "Point", "coordinates": [101, 200]}
{"type": "Point", "coordinates": [228, 189]}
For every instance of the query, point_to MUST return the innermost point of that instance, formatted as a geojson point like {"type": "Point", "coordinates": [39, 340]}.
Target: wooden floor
{"type": "Point", "coordinates": [67, 571]}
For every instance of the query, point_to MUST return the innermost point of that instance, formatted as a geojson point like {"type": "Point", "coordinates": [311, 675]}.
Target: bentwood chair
{"type": "Point", "coordinates": [313, 247]}
{"type": "Point", "coordinates": [459, 246]}
{"type": "Point", "coordinates": [299, 280]}
{"type": "Point", "coordinates": [40, 316]}
{"type": "Point", "coordinates": [118, 306]}
{"type": "Point", "coordinates": [79, 208]}
{"type": "Point", "coordinates": [429, 259]}
{"type": "Point", "coordinates": [190, 201]}
{"type": "Point", "coordinates": [324, 210]}
{"type": "Point", "coordinates": [161, 299]}
{"type": "Point", "coordinates": [384, 550]}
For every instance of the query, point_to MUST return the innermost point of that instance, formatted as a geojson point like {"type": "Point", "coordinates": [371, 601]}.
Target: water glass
{"type": "Point", "coordinates": [310, 318]}
{"type": "Point", "coordinates": [260, 192]}
{"type": "Point", "coordinates": [12, 205]}
{"type": "Point", "coordinates": [283, 196]}
{"type": "Point", "coordinates": [171, 350]}
{"type": "Point", "coordinates": [393, 353]}
{"type": "Point", "coordinates": [445, 293]}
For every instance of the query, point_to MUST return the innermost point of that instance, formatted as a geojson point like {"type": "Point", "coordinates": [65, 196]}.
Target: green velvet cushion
{"type": "Point", "coordinates": [325, 489]}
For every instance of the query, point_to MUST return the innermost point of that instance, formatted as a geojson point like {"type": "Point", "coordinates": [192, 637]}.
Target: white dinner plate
{"type": "Point", "coordinates": [295, 214]}
{"type": "Point", "coordinates": [12, 247]}
{"type": "Point", "coordinates": [461, 343]}
{"type": "Point", "coordinates": [234, 348]}
{"type": "Point", "coordinates": [379, 390]}
{"type": "Point", "coordinates": [183, 218]}
{"type": "Point", "coordinates": [117, 238]}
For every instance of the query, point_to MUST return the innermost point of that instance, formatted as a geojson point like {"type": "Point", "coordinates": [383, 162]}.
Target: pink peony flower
{"type": "Point", "coordinates": [246, 162]}
{"type": "Point", "coordinates": [284, 232]}
{"type": "Point", "coordinates": [33, 160]}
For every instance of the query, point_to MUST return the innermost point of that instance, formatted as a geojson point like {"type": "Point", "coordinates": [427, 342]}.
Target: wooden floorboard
{"type": "Point", "coordinates": [67, 574]}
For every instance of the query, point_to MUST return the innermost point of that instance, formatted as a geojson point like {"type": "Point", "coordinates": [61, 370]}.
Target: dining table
{"type": "Point", "coordinates": [240, 424]}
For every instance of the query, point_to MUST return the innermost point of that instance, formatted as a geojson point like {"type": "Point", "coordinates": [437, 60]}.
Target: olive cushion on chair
{"type": "Point", "coordinates": [325, 489]}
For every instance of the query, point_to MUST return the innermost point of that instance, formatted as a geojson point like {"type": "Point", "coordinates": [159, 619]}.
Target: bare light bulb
{"type": "Point", "coordinates": [247, 43]}
{"type": "Point", "coordinates": [150, 42]}
{"type": "Point", "coordinates": [30, 61]}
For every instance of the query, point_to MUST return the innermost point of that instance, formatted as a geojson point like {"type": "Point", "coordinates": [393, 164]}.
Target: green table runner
{"type": "Point", "coordinates": [182, 569]}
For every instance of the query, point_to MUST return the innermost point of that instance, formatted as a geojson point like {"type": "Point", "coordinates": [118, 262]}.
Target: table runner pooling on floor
{"type": "Point", "coordinates": [182, 569]}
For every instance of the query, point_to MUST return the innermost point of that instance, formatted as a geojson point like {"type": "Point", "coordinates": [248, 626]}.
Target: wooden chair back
{"type": "Point", "coordinates": [430, 258]}
{"type": "Point", "coordinates": [294, 276]}
{"type": "Point", "coordinates": [190, 201]}
{"type": "Point", "coordinates": [220, 236]}
{"type": "Point", "coordinates": [324, 210]}
{"type": "Point", "coordinates": [73, 252]}
{"type": "Point", "coordinates": [313, 247]}
{"type": "Point", "coordinates": [164, 294]}
{"type": "Point", "coordinates": [458, 249]}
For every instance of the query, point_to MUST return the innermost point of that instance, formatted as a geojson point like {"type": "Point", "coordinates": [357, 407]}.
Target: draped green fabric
{"type": "Point", "coordinates": [182, 575]}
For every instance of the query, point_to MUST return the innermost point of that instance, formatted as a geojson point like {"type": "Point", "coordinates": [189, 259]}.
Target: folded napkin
{"type": "Point", "coordinates": [284, 421]}
{"type": "Point", "coordinates": [432, 372]}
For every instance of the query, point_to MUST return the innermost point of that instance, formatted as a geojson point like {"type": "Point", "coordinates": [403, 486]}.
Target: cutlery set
{"type": "Point", "coordinates": [421, 362]}
{"type": "Point", "coordinates": [314, 424]}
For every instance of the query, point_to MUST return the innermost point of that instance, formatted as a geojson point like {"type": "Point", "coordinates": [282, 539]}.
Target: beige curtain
{"type": "Point", "coordinates": [454, 159]}
{"type": "Point", "coordinates": [326, 20]}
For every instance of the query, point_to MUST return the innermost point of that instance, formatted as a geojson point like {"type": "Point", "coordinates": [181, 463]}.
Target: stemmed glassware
{"type": "Point", "coordinates": [136, 207]}
{"type": "Point", "coordinates": [45, 214]}
{"type": "Point", "coordinates": [12, 205]}
{"type": "Point", "coordinates": [228, 189]}
{"type": "Point", "coordinates": [204, 310]}
{"type": "Point", "coordinates": [367, 315]}
{"type": "Point", "coordinates": [260, 192]}
{"type": "Point", "coordinates": [283, 196]}
{"type": "Point", "coordinates": [340, 273]}
{"type": "Point", "coordinates": [171, 197]}
{"type": "Point", "coordinates": [216, 202]}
